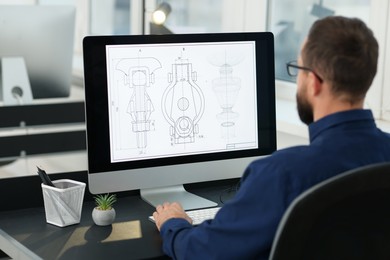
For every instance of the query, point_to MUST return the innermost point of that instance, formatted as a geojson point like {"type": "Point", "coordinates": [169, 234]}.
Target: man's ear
{"type": "Point", "coordinates": [316, 86]}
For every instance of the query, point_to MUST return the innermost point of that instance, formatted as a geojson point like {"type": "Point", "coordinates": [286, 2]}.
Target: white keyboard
{"type": "Point", "coordinates": [199, 215]}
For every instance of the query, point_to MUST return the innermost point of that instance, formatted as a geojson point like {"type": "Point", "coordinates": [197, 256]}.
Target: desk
{"type": "Point", "coordinates": [132, 236]}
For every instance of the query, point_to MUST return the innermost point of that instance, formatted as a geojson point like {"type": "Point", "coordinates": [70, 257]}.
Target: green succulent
{"type": "Point", "coordinates": [105, 201]}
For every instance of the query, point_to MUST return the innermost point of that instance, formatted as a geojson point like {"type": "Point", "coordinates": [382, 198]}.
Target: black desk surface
{"type": "Point", "coordinates": [132, 235]}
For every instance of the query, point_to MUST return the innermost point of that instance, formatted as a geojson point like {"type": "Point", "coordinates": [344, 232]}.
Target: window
{"type": "Point", "coordinates": [110, 17]}
{"type": "Point", "coordinates": [195, 16]}
{"type": "Point", "coordinates": [213, 15]}
{"type": "Point", "coordinates": [290, 21]}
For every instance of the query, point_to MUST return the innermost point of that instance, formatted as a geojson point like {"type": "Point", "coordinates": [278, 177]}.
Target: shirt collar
{"type": "Point", "coordinates": [316, 128]}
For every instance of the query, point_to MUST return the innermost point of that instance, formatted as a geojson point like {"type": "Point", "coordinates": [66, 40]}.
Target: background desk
{"type": "Point", "coordinates": [132, 236]}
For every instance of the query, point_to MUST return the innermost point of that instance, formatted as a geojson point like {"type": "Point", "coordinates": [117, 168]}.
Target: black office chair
{"type": "Point", "coordinates": [345, 217]}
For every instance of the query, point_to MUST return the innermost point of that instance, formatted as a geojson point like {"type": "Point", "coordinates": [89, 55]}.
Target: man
{"type": "Point", "coordinates": [335, 69]}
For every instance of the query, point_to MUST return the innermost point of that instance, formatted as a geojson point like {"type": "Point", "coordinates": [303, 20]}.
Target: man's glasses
{"type": "Point", "coordinates": [293, 68]}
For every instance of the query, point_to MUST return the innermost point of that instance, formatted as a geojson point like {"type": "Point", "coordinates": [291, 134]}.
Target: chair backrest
{"type": "Point", "coordinates": [345, 217]}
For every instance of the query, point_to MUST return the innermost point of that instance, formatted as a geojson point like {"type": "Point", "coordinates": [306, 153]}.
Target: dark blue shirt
{"type": "Point", "coordinates": [245, 226]}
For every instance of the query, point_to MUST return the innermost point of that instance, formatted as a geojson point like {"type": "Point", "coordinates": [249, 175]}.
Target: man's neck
{"type": "Point", "coordinates": [335, 105]}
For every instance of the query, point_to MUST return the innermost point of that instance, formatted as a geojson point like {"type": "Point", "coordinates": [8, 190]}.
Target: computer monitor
{"type": "Point", "coordinates": [168, 110]}
{"type": "Point", "coordinates": [44, 37]}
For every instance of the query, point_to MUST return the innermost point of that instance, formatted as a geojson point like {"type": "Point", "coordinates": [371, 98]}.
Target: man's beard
{"type": "Point", "coordinates": [305, 110]}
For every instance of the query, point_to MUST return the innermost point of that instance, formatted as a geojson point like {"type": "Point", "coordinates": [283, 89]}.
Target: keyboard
{"type": "Point", "coordinates": [199, 215]}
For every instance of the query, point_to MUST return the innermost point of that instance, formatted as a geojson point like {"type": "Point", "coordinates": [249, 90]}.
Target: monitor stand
{"type": "Point", "coordinates": [157, 196]}
{"type": "Point", "coordinates": [14, 82]}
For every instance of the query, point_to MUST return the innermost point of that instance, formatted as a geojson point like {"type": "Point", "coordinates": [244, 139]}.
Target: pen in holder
{"type": "Point", "coordinates": [63, 200]}
{"type": "Point", "coordinates": [44, 177]}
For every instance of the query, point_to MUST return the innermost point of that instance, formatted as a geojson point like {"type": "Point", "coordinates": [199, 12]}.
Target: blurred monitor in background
{"type": "Point", "coordinates": [42, 37]}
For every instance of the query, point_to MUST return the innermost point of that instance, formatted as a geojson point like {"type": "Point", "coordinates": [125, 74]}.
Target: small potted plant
{"type": "Point", "coordinates": [104, 213]}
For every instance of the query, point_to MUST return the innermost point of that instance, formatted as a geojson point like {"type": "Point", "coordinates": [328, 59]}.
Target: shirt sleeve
{"type": "Point", "coordinates": [244, 227]}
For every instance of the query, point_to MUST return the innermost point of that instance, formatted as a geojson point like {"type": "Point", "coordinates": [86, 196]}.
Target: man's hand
{"type": "Point", "coordinates": [168, 211]}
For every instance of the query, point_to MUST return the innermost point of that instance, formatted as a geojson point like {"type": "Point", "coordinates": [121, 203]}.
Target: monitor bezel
{"type": "Point", "coordinates": [96, 98]}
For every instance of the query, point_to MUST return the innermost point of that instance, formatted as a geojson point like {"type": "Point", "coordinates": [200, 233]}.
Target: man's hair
{"type": "Point", "coordinates": [343, 51]}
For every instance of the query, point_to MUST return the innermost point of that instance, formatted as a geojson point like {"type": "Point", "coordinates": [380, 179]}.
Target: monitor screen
{"type": "Point", "coordinates": [167, 110]}
{"type": "Point", "coordinates": [44, 37]}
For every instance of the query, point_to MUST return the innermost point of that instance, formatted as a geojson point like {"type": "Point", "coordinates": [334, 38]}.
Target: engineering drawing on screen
{"type": "Point", "coordinates": [183, 102]}
{"type": "Point", "coordinates": [138, 75]}
{"type": "Point", "coordinates": [181, 99]}
{"type": "Point", "coordinates": [227, 88]}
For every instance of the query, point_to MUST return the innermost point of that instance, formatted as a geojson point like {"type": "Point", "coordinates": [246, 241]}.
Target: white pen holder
{"type": "Point", "coordinates": [64, 202]}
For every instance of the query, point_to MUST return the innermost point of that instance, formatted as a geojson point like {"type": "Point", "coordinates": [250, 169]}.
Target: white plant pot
{"type": "Point", "coordinates": [103, 217]}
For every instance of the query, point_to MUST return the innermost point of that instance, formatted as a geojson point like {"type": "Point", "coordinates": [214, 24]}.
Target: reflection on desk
{"type": "Point", "coordinates": [13, 249]}
{"type": "Point", "coordinates": [132, 236]}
